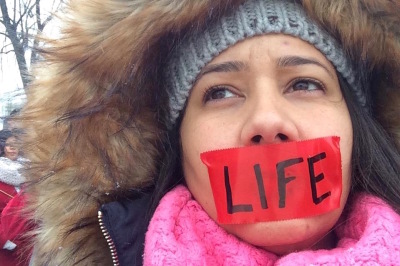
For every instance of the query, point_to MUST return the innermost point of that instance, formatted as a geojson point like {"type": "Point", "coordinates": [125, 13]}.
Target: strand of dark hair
{"type": "Point", "coordinates": [375, 158]}
{"type": "Point", "coordinates": [170, 171]}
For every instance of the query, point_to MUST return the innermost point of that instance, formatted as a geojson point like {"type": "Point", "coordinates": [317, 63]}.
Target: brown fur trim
{"type": "Point", "coordinates": [92, 120]}
{"type": "Point", "coordinates": [92, 129]}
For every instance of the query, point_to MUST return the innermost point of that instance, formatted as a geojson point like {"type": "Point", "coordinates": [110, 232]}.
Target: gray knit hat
{"type": "Point", "coordinates": [252, 18]}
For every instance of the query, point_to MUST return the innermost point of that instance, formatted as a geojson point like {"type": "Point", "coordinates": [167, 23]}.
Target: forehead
{"type": "Point", "coordinates": [270, 47]}
{"type": "Point", "coordinates": [11, 139]}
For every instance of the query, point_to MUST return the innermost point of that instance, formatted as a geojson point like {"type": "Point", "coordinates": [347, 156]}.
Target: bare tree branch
{"type": "Point", "coordinates": [47, 20]}
{"type": "Point", "coordinates": [50, 17]}
{"type": "Point", "coordinates": [18, 48]}
{"type": "Point", "coordinates": [22, 15]}
{"type": "Point", "coordinates": [5, 38]}
{"type": "Point", "coordinates": [7, 52]}
{"type": "Point", "coordinates": [38, 18]}
{"type": "Point", "coordinates": [15, 10]}
{"type": "Point", "coordinates": [42, 24]}
{"type": "Point", "coordinates": [5, 34]}
{"type": "Point", "coordinates": [21, 30]}
{"type": "Point", "coordinates": [5, 46]}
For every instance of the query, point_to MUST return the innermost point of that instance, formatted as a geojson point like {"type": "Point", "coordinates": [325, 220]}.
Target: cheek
{"type": "Point", "coordinates": [198, 136]}
{"type": "Point", "coordinates": [196, 178]}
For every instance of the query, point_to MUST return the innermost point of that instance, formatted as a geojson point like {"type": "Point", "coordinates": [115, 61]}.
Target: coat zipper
{"type": "Point", "coordinates": [109, 240]}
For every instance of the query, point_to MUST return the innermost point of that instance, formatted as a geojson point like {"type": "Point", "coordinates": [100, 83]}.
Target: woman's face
{"type": "Point", "coordinates": [266, 89]}
{"type": "Point", "coordinates": [10, 149]}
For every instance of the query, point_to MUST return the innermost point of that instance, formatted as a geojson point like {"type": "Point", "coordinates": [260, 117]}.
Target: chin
{"type": "Point", "coordinates": [283, 237]}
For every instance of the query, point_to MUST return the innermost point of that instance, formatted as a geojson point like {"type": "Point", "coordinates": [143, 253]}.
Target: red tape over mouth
{"type": "Point", "coordinates": [275, 182]}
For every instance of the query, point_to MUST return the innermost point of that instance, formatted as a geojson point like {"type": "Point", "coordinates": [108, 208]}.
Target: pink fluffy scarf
{"type": "Point", "coordinates": [181, 233]}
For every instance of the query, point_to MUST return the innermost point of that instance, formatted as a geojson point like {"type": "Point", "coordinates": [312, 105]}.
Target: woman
{"type": "Point", "coordinates": [143, 95]}
{"type": "Point", "coordinates": [11, 201]}
{"type": "Point", "coordinates": [10, 164]}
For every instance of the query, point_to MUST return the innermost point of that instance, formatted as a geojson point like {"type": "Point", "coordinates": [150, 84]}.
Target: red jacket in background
{"type": "Point", "coordinates": [13, 226]}
{"type": "Point", "coordinates": [7, 192]}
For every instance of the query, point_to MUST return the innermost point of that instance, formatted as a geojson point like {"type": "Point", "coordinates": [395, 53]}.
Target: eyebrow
{"type": "Point", "coordinates": [231, 66]}
{"type": "Point", "coordinates": [290, 61]}
{"type": "Point", "coordinates": [236, 66]}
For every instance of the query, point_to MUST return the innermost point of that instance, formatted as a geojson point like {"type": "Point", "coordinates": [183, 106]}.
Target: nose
{"type": "Point", "coordinates": [269, 119]}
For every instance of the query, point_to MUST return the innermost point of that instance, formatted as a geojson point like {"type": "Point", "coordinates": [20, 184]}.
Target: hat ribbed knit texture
{"type": "Point", "coordinates": [252, 18]}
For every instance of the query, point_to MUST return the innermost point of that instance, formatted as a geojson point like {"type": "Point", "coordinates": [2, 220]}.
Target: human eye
{"type": "Point", "coordinates": [10, 145]}
{"type": "Point", "coordinates": [306, 84]}
{"type": "Point", "coordinates": [218, 93]}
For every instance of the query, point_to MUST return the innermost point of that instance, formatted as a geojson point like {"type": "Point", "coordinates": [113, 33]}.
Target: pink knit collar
{"type": "Point", "coordinates": [181, 233]}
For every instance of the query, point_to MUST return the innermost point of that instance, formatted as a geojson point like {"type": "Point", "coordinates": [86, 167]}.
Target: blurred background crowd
{"type": "Point", "coordinates": [12, 223]}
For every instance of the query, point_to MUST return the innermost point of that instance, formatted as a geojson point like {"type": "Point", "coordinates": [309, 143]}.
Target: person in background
{"type": "Point", "coordinates": [10, 160]}
{"type": "Point", "coordinates": [12, 223]}
{"type": "Point", "coordinates": [136, 101]}
{"type": "Point", "coordinates": [10, 164]}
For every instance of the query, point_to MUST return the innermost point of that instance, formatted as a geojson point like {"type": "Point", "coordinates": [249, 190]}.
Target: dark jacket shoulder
{"type": "Point", "coordinates": [126, 222]}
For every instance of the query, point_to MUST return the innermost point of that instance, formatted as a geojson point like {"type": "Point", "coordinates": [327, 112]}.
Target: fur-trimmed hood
{"type": "Point", "coordinates": [94, 119]}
